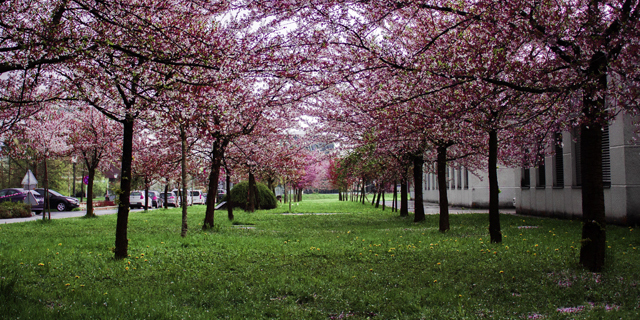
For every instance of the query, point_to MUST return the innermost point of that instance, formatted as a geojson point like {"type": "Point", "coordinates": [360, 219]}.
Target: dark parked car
{"type": "Point", "coordinates": [19, 195]}
{"type": "Point", "coordinates": [59, 201]}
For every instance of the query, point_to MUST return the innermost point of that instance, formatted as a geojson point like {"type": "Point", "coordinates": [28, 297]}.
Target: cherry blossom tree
{"type": "Point", "coordinates": [96, 140]}
{"type": "Point", "coordinates": [42, 137]}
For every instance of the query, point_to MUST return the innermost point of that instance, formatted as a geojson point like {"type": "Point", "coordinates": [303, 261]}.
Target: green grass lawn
{"type": "Point", "coordinates": [361, 263]}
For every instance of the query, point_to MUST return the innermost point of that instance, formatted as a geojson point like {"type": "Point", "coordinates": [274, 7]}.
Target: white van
{"type": "Point", "coordinates": [197, 197]}
{"type": "Point", "coordinates": [178, 193]}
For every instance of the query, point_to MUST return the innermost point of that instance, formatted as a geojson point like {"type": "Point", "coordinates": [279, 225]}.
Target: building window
{"type": "Point", "coordinates": [541, 178]}
{"type": "Point", "coordinates": [459, 178]}
{"type": "Point", "coordinates": [606, 158]}
{"type": "Point", "coordinates": [577, 165]}
{"type": "Point", "coordinates": [525, 182]}
{"type": "Point", "coordinates": [447, 179]}
{"type": "Point", "coordinates": [558, 163]}
{"type": "Point", "coordinates": [466, 178]}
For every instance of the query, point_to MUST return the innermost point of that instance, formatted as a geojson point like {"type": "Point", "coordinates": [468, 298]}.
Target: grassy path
{"type": "Point", "coordinates": [362, 263]}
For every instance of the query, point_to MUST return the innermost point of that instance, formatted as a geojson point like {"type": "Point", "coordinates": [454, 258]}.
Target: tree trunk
{"type": "Point", "coordinates": [404, 201]}
{"type": "Point", "coordinates": [166, 191]}
{"type": "Point", "coordinates": [419, 215]}
{"type": "Point", "coordinates": [379, 195]}
{"type": "Point", "coordinates": [394, 202]}
{"type": "Point", "coordinates": [229, 202]}
{"type": "Point", "coordinates": [383, 204]}
{"type": "Point", "coordinates": [592, 252]}
{"type": "Point", "coordinates": [92, 174]}
{"type": "Point", "coordinates": [146, 194]}
{"type": "Point", "coordinates": [494, 213]}
{"type": "Point", "coordinates": [443, 197]}
{"type": "Point", "coordinates": [373, 199]}
{"type": "Point", "coordinates": [125, 189]}
{"type": "Point", "coordinates": [217, 152]}
{"type": "Point", "coordinates": [183, 198]}
{"type": "Point", "coordinates": [82, 185]}
{"type": "Point", "coordinates": [251, 197]}
{"type": "Point", "coordinates": [363, 190]}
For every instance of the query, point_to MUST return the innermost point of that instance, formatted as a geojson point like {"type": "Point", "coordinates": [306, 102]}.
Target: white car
{"type": "Point", "coordinates": [197, 197]}
{"type": "Point", "coordinates": [179, 194]}
{"type": "Point", "coordinates": [137, 200]}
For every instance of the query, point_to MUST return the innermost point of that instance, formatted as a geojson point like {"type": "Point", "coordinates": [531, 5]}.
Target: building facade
{"type": "Point", "coordinates": [553, 189]}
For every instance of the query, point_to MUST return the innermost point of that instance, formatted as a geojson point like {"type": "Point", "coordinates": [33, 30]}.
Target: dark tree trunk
{"type": "Point", "coordinates": [146, 194]}
{"type": "Point", "coordinates": [375, 192]}
{"type": "Point", "coordinates": [494, 213]}
{"type": "Point", "coordinates": [379, 195]}
{"type": "Point", "coordinates": [419, 215]}
{"type": "Point", "coordinates": [229, 203]}
{"type": "Point", "coordinates": [592, 252]}
{"type": "Point", "coordinates": [92, 174]}
{"type": "Point", "coordinates": [394, 202]}
{"type": "Point", "coordinates": [404, 199]}
{"type": "Point", "coordinates": [443, 198]}
{"type": "Point", "coordinates": [383, 204]}
{"type": "Point", "coordinates": [217, 152]}
{"type": "Point", "coordinates": [121, 248]}
{"type": "Point", "coordinates": [166, 191]}
{"type": "Point", "coordinates": [183, 198]}
{"type": "Point", "coordinates": [251, 197]}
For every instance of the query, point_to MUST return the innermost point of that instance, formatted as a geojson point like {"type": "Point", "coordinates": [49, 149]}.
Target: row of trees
{"type": "Point", "coordinates": [477, 82]}
{"type": "Point", "coordinates": [474, 82]}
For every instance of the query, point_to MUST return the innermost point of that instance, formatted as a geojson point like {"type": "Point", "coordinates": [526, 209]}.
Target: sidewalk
{"type": "Point", "coordinates": [99, 211]}
{"type": "Point", "coordinates": [434, 208]}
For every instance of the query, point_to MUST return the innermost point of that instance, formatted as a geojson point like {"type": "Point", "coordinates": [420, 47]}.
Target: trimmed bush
{"type": "Point", "coordinates": [9, 209]}
{"type": "Point", "coordinates": [265, 198]}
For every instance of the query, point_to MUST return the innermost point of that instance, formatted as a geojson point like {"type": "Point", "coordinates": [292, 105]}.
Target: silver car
{"type": "Point", "coordinates": [171, 198]}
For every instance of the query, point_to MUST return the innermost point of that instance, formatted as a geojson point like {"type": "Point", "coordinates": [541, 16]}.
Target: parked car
{"type": "Point", "coordinates": [156, 200]}
{"type": "Point", "coordinates": [59, 201]}
{"type": "Point", "coordinates": [197, 197]}
{"type": "Point", "coordinates": [19, 195]}
{"type": "Point", "coordinates": [137, 200]}
{"type": "Point", "coordinates": [172, 199]}
{"type": "Point", "coordinates": [179, 194]}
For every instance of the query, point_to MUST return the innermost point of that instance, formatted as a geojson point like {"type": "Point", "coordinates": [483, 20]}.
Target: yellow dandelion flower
{"type": "Point", "coordinates": [501, 271]}
{"type": "Point", "coordinates": [142, 254]}
{"type": "Point", "coordinates": [77, 277]}
{"type": "Point", "coordinates": [41, 264]}
{"type": "Point", "coordinates": [434, 281]}
{"type": "Point", "coordinates": [67, 284]}
{"type": "Point", "coordinates": [60, 243]}
{"type": "Point", "coordinates": [438, 263]}
{"type": "Point", "coordinates": [82, 285]}
{"type": "Point", "coordinates": [145, 260]}
{"type": "Point", "coordinates": [126, 268]}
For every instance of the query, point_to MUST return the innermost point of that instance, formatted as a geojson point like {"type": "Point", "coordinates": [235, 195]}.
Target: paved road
{"type": "Point", "coordinates": [66, 214]}
{"type": "Point", "coordinates": [429, 208]}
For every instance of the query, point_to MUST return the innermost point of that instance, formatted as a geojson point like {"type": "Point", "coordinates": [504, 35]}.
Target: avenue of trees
{"type": "Point", "coordinates": [399, 83]}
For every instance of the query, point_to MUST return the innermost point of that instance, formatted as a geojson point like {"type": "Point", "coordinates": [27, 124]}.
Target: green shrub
{"type": "Point", "coordinates": [265, 198]}
{"type": "Point", "coordinates": [9, 209]}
